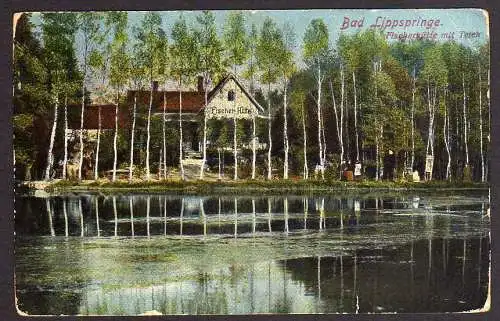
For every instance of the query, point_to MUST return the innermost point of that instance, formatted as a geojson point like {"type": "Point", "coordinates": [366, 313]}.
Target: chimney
{"type": "Point", "coordinates": [155, 85]}
{"type": "Point", "coordinates": [200, 84]}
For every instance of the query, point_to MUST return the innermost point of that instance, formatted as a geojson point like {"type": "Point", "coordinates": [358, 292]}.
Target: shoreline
{"type": "Point", "coordinates": [246, 186]}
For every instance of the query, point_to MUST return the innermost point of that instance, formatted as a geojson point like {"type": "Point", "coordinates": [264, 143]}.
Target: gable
{"type": "Point", "coordinates": [229, 99]}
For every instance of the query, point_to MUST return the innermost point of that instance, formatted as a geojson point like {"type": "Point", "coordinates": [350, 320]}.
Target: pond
{"type": "Point", "coordinates": [356, 252]}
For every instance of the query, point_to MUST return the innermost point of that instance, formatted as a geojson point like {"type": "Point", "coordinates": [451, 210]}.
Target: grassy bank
{"type": "Point", "coordinates": [253, 186]}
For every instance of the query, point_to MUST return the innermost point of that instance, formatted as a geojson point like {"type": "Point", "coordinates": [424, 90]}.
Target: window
{"type": "Point", "coordinates": [230, 95]}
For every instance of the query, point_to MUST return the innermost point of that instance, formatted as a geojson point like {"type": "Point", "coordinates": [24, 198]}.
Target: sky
{"type": "Point", "coordinates": [467, 26]}
{"type": "Point", "coordinates": [347, 21]}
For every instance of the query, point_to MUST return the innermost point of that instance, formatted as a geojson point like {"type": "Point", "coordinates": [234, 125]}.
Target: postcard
{"type": "Point", "coordinates": [252, 162]}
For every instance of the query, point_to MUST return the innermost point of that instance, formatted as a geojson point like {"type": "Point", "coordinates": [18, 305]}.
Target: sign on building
{"type": "Point", "coordinates": [230, 100]}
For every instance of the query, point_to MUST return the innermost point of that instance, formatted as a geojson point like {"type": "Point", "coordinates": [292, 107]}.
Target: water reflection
{"type": "Point", "coordinates": [171, 215]}
{"type": "Point", "coordinates": [246, 254]}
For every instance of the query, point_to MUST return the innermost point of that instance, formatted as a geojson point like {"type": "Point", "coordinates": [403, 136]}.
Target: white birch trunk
{"type": "Point", "coordinates": [65, 161]}
{"type": "Point", "coordinates": [149, 132]}
{"type": "Point", "coordinates": [269, 167]}
{"type": "Point", "coordinates": [235, 149]}
{"type": "Point", "coordinates": [355, 115]}
{"type": "Point", "coordinates": [429, 133]}
{"type": "Point", "coordinates": [433, 136]}
{"type": "Point", "coordinates": [483, 172]}
{"type": "Point", "coordinates": [323, 143]}
{"type": "Point", "coordinates": [180, 130]}
{"type": "Point", "coordinates": [50, 155]}
{"type": "Point", "coordinates": [377, 176]}
{"type": "Point", "coordinates": [131, 167]}
{"type": "Point", "coordinates": [341, 115]}
{"type": "Point", "coordinates": [465, 123]}
{"type": "Point", "coordinates": [235, 142]}
{"type": "Point", "coordinates": [318, 105]}
{"type": "Point", "coordinates": [489, 124]}
{"type": "Point", "coordinates": [80, 162]}
{"type": "Point", "coordinates": [254, 148]}
{"type": "Point", "coordinates": [96, 166]}
{"type": "Point", "coordinates": [413, 120]}
{"type": "Point", "coordinates": [304, 133]}
{"type": "Point", "coordinates": [202, 168]}
{"type": "Point", "coordinates": [115, 138]}
{"type": "Point", "coordinates": [338, 123]}
{"type": "Point", "coordinates": [285, 131]}
{"type": "Point", "coordinates": [164, 138]}
{"type": "Point", "coordinates": [446, 140]}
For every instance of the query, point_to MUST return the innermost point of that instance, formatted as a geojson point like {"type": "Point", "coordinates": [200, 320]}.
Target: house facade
{"type": "Point", "coordinates": [227, 101]}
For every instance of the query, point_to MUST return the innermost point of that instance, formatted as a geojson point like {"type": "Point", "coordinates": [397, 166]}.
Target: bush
{"type": "Point", "coordinates": [331, 174]}
{"type": "Point", "coordinates": [467, 174]}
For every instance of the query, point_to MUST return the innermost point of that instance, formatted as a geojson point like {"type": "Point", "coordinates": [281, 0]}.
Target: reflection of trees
{"type": "Point", "coordinates": [131, 208]}
{"type": "Point", "coordinates": [235, 216]}
{"type": "Point", "coordinates": [97, 217]}
{"type": "Point", "coordinates": [49, 215]}
{"type": "Point", "coordinates": [463, 274]}
{"type": "Point", "coordinates": [65, 213]}
{"type": "Point", "coordinates": [116, 216]}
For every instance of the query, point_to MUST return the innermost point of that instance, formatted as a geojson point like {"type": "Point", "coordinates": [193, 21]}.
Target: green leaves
{"type": "Point", "coordinates": [268, 45]}
{"type": "Point", "coordinates": [58, 34]}
{"type": "Point", "coordinates": [315, 42]}
{"type": "Point", "coordinates": [285, 54]}
{"type": "Point", "coordinates": [434, 70]}
{"type": "Point", "coordinates": [119, 71]}
{"type": "Point", "coordinates": [150, 45]}
{"type": "Point", "coordinates": [184, 50]}
{"type": "Point", "coordinates": [210, 47]}
{"type": "Point", "coordinates": [235, 39]}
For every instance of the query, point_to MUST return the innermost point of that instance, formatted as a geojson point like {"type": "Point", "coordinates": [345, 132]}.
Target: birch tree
{"type": "Point", "coordinates": [184, 67]}
{"type": "Point", "coordinates": [163, 73]}
{"type": "Point", "coordinates": [298, 97]}
{"type": "Point", "coordinates": [287, 68]}
{"type": "Point", "coordinates": [119, 68]}
{"type": "Point", "coordinates": [148, 35]}
{"type": "Point", "coordinates": [435, 76]}
{"type": "Point", "coordinates": [315, 52]}
{"type": "Point", "coordinates": [483, 65]}
{"type": "Point", "coordinates": [250, 73]}
{"type": "Point", "coordinates": [89, 23]}
{"type": "Point", "coordinates": [235, 43]}
{"type": "Point", "coordinates": [98, 62]}
{"type": "Point", "coordinates": [211, 65]}
{"type": "Point", "coordinates": [30, 98]}
{"type": "Point", "coordinates": [339, 114]}
{"type": "Point", "coordinates": [58, 33]}
{"type": "Point", "coordinates": [446, 134]}
{"type": "Point", "coordinates": [268, 66]}
{"type": "Point", "coordinates": [137, 78]}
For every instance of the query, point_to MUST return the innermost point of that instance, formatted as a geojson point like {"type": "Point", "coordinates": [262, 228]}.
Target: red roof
{"type": "Point", "coordinates": [91, 117]}
{"type": "Point", "coordinates": [192, 101]}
